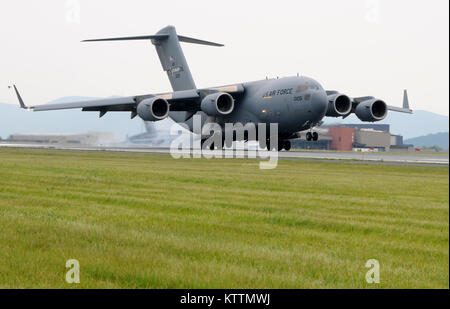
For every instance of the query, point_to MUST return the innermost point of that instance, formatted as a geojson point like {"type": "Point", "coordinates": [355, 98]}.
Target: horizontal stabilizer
{"type": "Point", "coordinates": [130, 38]}
{"type": "Point", "coordinates": [197, 41]}
{"type": "Point", "coordinates": [157, 37]}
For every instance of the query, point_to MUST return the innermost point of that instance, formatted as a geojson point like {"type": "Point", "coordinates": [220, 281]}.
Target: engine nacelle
{"type": "Point", "coordinates": [153, 109]}
{"type": "Point", "coordinates": [338, 105]}
{"type": "Point", "coordinates": [218, 104]}
{"type": "Point", "coordinates": [371, 110]}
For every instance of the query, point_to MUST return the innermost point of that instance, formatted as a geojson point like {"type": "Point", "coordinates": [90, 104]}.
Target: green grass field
{"type": "Point", "coordinates": [149, 221]}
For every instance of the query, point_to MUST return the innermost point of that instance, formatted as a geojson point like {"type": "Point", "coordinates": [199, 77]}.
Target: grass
{"type": "Point", "coordinates": [149, 221]}
{"type": "Point", "coordinates": [400, 153]}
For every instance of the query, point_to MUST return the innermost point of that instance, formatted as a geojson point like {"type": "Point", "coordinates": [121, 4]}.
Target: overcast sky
{"type": "Point", "coordinates": [359, 47]}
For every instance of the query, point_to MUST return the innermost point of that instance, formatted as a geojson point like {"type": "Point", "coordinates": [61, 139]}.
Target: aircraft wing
{"type": "Point", "coordinates": [185, 100]}
{"type": "Point", "coordinates": [404, 109]}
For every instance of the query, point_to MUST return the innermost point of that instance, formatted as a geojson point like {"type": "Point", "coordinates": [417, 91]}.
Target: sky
{"type": "Point", "coordinates": [359, 47]}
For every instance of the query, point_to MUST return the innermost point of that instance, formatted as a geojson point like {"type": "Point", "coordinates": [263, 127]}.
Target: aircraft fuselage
{"type": "Point", "coordinates": [294, 103]}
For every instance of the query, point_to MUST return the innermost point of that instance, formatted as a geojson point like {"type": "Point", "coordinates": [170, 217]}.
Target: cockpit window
{"type": "Point", "coordinates": [302, 88]}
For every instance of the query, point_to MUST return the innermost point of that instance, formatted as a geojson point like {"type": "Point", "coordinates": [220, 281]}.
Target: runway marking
{"type": "Point", "coordinates": [338, 156]}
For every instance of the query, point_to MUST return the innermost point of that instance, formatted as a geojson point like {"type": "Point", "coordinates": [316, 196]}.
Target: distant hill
{"type": "Point", "coordinates": [409, 125]}
{"type": "Point", "coordinates": [430, 140]}
{"type": "Point", "coordinates": [16, 120]}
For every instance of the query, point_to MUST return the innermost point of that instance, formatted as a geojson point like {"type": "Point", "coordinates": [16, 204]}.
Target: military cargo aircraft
{"type": "Point", "coordinates": [295, 103]}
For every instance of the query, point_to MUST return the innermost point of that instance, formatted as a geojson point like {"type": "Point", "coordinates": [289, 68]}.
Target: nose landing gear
{"type": "Point", "coordinates": [315, 136]}
{"type": "Point", "coordinates": [312, 136]}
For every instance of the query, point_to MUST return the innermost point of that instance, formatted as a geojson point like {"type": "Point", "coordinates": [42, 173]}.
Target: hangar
{"type": "Point", "coordinates": [348, 137]}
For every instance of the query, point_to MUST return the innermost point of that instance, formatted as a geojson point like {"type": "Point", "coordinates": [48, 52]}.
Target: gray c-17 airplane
{"type": "Point", "coordinates": [295, 103]}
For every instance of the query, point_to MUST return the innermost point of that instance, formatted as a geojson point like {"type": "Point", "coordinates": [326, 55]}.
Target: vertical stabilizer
{"type": "Point", "coordinates": [173, 60]}
{"type": "Point", "coordinates": [167, 44]}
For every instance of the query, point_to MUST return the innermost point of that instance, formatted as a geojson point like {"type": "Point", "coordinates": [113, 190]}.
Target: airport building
{"type": "Point", "coordinates": [373, 126]}
{"type": "Point", "coordinates": [342, 138]}
{"type": "Point", "coordinates": [356, 137]}
{"type": "Point", "coordinates": [370, 138]}
{"type": "Point", "coordinates": [85, 139]}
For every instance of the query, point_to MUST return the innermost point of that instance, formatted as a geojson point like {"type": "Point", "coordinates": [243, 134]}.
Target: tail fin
{"type": "Point", "coordinates": [167, 43]}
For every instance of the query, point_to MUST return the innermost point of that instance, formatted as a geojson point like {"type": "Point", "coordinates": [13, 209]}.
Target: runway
{"type": "Point", "coordinates": [350, 157]}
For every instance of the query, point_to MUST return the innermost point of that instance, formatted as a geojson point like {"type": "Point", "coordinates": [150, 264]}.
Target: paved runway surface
{"type": "Point", "coordinates": [381, 157]}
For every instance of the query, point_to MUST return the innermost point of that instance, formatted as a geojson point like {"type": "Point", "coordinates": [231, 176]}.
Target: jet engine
{"type": "Point", "coordinates": [153, 109]}
{"type": "Point", "coordinates": [371, 110]}
{"type": "Point", "coordinates": [218, 104]}
{"type": "Point", "coordinates": [338, 105]}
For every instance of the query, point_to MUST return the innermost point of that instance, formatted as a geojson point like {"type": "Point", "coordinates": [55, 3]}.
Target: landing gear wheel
{"type": "Point", "coordinates": [308, 136]}
{"type": "Point", "coordinates": [280, 146]}
{"type": "Point", "coordinates": [227, 144]}
{"type": "Point", "coordinates": [269, 146]}
{"type": "Point", "coordinates": [210, 147]}
{"type": "Point", "coordinates": [315, 136]}
{"type": "Point", "coordinates": [262, 145]}
{"type": "Point", "coordinates": [287, 145]}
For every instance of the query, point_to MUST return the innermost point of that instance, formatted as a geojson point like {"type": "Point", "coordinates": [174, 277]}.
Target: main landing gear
{"type": "Point", "coordinates": [286, 145]}
{"type": "Point", "coordinates": [312, 136]}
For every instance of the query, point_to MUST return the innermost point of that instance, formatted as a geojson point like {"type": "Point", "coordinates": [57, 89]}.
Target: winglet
{"type": "Point", "coordinates": [405, 100]}
{"type": "Point", "coordinates": [405, 108]}
{"type": "Point", "coordinates": [22, 105]}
